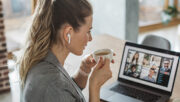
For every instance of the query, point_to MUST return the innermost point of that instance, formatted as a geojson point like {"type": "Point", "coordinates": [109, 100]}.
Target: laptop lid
{"type": "Point", "coordinates": [152, 67]}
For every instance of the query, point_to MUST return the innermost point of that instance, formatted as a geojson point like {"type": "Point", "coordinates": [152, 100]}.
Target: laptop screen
{"type": "Point", "coordinates": [149, 66]}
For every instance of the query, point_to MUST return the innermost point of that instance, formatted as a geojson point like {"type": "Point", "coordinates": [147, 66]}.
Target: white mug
{"type": "Point", "coordinates": [104, 53]}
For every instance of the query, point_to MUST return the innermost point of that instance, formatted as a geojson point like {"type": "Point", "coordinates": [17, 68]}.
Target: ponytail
{"type": "Point", "coordinates": [38, 38]}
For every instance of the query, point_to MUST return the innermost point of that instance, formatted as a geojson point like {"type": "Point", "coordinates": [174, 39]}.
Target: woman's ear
{"type": "Point", "coordinates": [67, 33]}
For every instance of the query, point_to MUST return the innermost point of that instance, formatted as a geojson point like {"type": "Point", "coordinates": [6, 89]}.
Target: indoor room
{"type": "Point", "coordinates": [144, 34]}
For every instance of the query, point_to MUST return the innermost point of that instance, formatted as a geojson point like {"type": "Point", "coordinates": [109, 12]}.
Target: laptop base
{"type": "Point", "coordinates": [107, 95]}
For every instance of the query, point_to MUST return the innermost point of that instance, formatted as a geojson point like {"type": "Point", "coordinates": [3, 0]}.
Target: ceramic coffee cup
{"type": "Point", "coordinates": [104, 53]}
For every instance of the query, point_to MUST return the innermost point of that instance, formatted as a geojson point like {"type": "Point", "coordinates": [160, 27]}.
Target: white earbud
{"type": "Point", "coordinates": [69, 38]}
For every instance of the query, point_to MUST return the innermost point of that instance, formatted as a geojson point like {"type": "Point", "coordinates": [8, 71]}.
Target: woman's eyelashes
{"type": "Point", "coordinates": [89, 32]}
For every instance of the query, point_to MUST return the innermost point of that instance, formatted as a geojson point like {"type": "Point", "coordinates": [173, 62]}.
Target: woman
{"type": "Point", "coordinates": [135, 58]}
{"type": "Point", "coordinates": [60, 27]}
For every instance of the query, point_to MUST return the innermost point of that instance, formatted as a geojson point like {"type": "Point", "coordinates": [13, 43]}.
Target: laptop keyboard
{"type": "Point", "coordinates": [138, 94]}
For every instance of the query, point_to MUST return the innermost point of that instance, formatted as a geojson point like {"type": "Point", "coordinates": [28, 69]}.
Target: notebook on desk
{"type": "Point", "coordinates": [146, 74]}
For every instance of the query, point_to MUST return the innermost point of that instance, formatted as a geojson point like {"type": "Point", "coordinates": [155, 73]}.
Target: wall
{"type": "Point", "coordinates": [4, 79]}
{"type": "Point", "coordinates": [118, 18]}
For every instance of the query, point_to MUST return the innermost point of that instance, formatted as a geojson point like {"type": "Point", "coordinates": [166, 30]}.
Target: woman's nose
{"type": "Point", "coordinates": [90, 37]}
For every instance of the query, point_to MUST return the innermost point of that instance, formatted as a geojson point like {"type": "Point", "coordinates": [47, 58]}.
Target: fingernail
{"type": "Point", "coordinates": [93, 60]}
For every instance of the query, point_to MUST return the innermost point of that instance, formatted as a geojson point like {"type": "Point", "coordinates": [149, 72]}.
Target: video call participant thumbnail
{"type": "Point", "coordinates": [165, 70]}
{"type": "Point", "coordinates": [149, 77]}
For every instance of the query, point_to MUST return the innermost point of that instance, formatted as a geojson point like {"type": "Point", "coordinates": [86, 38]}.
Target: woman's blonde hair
{"type": "Point", "coordinates": [49, 16]}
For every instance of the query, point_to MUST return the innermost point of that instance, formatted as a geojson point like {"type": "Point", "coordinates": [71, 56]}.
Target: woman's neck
{"type": "Point", "coordinates": [60, 53]}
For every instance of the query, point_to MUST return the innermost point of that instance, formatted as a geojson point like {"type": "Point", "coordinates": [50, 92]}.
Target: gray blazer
{"type": "Point", "coordinates": [48, 81]}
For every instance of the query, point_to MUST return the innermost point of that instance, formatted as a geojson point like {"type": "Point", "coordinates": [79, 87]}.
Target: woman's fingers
{"type": "Point", "coordinates": [107, 62]}
{"type": "Point", "coordinates": [100, 63]}
{"type": "Point", "coordinates": [91, 58]}
{"type": "Point", "coordinates": [112, 61]}
{"type": "Point", "coordinates": [107, 65]}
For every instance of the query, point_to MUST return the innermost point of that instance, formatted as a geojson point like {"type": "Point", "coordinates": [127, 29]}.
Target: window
{"type": "Point", "coordinates": [151, 14]}
{"type": "Point", "coordinates": [16, 14]}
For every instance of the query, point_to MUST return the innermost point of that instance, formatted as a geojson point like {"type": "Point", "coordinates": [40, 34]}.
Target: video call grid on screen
{"type": "Point", "coordinates": [150, 63]}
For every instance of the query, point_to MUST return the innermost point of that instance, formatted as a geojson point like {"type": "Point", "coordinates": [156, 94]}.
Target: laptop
{"type": "Point", "coordinates": [146, 74]}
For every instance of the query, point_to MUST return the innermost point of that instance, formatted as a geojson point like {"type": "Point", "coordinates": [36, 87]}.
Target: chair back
{"type": "Point", "coordinates": [156, 41]}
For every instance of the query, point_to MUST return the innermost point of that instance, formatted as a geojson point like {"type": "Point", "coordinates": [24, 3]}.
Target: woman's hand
{"type": "Point", "coordinates": [82, 76]}
{"type": "Point", "coordinates": [87, 63]}
{"type": "Point", "coordinates": [101, 73]}
{"type": "Point", "coordinates": [99, 76]}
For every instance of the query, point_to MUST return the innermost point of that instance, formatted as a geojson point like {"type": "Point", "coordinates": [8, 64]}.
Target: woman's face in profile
{"type": "Point", "coordinates": [80, 38]}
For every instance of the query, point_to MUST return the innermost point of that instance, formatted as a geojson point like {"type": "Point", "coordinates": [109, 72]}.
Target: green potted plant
{"type": "Point", "coordinates": [168, 14]}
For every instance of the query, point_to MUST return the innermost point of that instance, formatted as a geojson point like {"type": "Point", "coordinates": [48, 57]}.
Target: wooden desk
{"type": "Point", "coordinates": [107, 41]}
